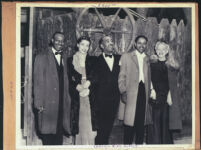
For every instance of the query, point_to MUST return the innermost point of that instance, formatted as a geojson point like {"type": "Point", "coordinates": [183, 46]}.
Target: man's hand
{"type": "Point", "coordinates": [153, 94]}
{"type": "Point", "coordinates": [41, 109]}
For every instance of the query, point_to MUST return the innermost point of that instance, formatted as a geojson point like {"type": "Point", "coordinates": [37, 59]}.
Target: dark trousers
{"type": "Point", "coordinates": [106, 118]}
{"type": "Point", "coordinates": [159, 132]}
{"type": "Point", "coordinates": [52, 139]}
{"type": "Point", "coordinates": [138, 128]}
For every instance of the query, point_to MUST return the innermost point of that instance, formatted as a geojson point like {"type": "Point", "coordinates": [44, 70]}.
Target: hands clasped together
{"type": "Point", "coordinates": [83, 88]}
{"type": "Point", "coordinates": [153, 96]}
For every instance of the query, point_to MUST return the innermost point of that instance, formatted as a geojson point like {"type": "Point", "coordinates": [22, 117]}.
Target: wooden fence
{"type": "Point", "coordinates": [177, 35]}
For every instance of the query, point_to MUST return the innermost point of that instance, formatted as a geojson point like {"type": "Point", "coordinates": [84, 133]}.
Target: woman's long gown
{"type": "Point", "coordinates": [86, 135]}
{"type": "Point", "coordinates": [160, 131]}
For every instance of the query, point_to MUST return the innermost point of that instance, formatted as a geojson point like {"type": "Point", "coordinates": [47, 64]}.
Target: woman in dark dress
{"type": "Point", "coordinates": [83, 114]}
{"type": "Point", "coordinates": [166, 112]}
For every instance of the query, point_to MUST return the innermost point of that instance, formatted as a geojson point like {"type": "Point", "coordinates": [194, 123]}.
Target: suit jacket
{"type": "Point", "coordinates": [75, 79]}
{"type": "Point", "coordinates": [128, 82]}
{"type": "Point", "coordinates": [46, 93]}
{"type": "Point", "coordinates": [106, 82]}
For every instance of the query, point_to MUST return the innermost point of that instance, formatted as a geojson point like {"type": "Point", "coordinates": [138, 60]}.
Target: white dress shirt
{"type": "Point", "coordinates": [109, 61]}
{"type": "Point", "coordinates": [140, 58]}
{"type": "Point", "coordinates": [58, 57]}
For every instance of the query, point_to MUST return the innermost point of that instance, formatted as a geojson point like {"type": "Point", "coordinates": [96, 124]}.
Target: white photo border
{"type": "Point", "coordinates": [100, 4]}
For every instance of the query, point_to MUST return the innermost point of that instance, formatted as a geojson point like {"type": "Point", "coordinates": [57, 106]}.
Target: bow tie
{"type": "Point", "coordinates": [59, 53]}
{"type": "Point", "coordinates": [106, 55]}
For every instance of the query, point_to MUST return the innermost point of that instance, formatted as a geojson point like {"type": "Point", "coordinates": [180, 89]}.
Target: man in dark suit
{"type": "Point", "coordinates": [107, 92]}
{"type": "Point", "coordinates": [51, 95]}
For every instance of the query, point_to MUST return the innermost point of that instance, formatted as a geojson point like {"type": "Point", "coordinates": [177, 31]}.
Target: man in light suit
{"type": "Point", "coordinates": [107, 95]}
{"type": "Point", "coordinates": [135, 83]}
{"type": "Point", "coordinates": [51, 95]}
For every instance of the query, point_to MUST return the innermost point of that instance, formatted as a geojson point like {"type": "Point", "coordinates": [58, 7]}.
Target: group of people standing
{"type": "Point", "coordinates": [81, 95]}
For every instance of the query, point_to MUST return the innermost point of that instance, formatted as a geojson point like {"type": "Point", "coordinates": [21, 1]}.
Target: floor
{"type": "Point", "coordinates": [116, 138]}
{"type": "Point", "coordinates": [182, 137]}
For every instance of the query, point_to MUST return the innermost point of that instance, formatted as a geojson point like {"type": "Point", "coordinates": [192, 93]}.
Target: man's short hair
{"type": "Point", "coordinates": [140, 36]}
{"type": "Point", "coordinates": [56, 34]}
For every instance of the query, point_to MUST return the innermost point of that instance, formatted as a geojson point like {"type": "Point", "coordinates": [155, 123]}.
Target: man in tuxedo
{"type": "Point", "coordinates": [135, 85]}
{"type": "Point", "coordinates": [51, 95]}
{"type": "Point", "coordinates": [107, 95]}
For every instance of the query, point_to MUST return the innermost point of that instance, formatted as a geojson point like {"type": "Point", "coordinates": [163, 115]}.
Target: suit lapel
{"type": "Point", "coordinates": [115, 64]}
{"type": "Point", "coordinates": [64, 61]}
{"type": "Point", "coordinates": [53, 64]}
{"type": "Point", "coordinates": [64, 57]}
{"type": "Point", "coordinates": [105, 63]}
{"type": "Point", "coordinates": [134, 58]}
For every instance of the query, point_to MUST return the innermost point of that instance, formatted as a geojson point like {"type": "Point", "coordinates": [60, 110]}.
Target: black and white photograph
{"type": "Point", "coordinates": [105, 74]}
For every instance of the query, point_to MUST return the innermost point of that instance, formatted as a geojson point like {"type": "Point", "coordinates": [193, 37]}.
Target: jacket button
{"type": "Point", "coordinates": [55, 88]}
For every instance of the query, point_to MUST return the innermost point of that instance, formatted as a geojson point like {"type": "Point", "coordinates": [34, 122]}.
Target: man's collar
{"type": "Point", "coordinates": [140, 54]}
{"type": "Point", "coordinates": [54, 50]}
{"type": "Point", "coordinates": [105, 55]}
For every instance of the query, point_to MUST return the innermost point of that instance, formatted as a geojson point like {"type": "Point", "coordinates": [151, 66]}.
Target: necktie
{"type": "Point", "coordinates": [106, 55]}
{"type": "Point", "coordinates": [59, 53]}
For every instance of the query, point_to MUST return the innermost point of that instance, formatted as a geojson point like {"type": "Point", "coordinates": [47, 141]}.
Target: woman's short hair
{"type": "Point", "coordinates": [171, 58]}
{"type": "Point", "coordinates": [80, 39]}
{"type": "Point", "coordinates": [163, 43]}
